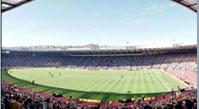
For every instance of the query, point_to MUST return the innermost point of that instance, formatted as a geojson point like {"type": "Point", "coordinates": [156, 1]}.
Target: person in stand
{"type": "Point", "coordinates": [143, 97]}
{"type": "Point", "coordinates": [33, 82]}
{"type": "Point", "coordinates": [15, 103]}
{"type": "Point", "coordinates": [70, 96]}
{"type": "Point", "coordinates": [163, 96]}
{"type": "Point", "coordinates": [7, 102]}
{"type": "Point", "coordinates": [172, 92]}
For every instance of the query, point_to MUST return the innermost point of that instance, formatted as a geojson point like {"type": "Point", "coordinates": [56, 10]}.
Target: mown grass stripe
{"type": "Point", "coordinates": [135, 83]}
{"type": "Point", "coordinates": [131, 81]}
{"type": "Point", "coordinates": [89, 83]}
{"type": "Point", "coordinates": [120, 85]}
{"type": "Point", "coordinates": [160, 79]}
{"type": "Point", "coordinates": [106, 86]}
{"type": "Point", "coordinates": [100, 83]}
{"type": "Point", "coordinates": [148, 81]}
{"type": "Point", "coordinates": [155, 86]}
{"type": "Point", "coordinates": [84, 80]}
{"type": "Point", "coordinates": [124, 84]}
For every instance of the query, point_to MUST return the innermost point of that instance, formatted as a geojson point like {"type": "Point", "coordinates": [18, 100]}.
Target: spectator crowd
{"type": "Point", "coordinates": [176, 61]}
{"type": "Point", "coordinates": [14, 98]}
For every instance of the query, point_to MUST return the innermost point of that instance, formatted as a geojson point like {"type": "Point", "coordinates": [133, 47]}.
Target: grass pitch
{"type": "Point", "coordinates": [102, 84]}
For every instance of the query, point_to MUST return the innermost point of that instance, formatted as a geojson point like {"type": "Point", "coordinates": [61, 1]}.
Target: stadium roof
{"type": "Point", "coordinates": [191, 4]}
{"type": "Point", "coordinates": [108, 52]}
{"type": "Point", "coordinates": [10, 4]}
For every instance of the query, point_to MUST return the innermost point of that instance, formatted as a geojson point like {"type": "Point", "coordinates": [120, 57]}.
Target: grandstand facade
{"type": "Point", "coordinates": [179, 61]}
{"type": "Point", "coordinates": [176, 59]}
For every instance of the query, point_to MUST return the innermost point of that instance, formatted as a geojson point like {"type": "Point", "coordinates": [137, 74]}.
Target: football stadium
{"type": "Point", "coordinates": [101, 77]}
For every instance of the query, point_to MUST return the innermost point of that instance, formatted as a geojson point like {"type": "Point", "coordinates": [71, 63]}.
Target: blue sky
{"type": "Point", "coordinates": [103, 22]}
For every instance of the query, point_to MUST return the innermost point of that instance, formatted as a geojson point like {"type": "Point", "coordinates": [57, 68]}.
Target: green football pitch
{"type": "Point", "coordinates": [95, 84]}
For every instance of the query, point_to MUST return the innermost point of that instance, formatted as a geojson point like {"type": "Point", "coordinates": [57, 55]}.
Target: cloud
{"type": "Point", "coordinates": [156, 43]}
{"type": "Point", "coordinates": [124, 22]}
{"type": "Point", "coordinates": [157, 8]}
{"type": "Point", "coordinates": [141, 21]}
{"type": "Point", "coordinates": [8, 43]}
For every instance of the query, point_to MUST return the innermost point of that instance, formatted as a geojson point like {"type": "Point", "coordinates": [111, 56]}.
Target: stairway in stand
{"type": "Point", "coordinates": [98, 62]}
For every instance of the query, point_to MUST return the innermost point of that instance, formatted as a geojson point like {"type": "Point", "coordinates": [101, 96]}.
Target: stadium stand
{"type": "Point", "coordinates": [27, 99]}
{"type": "Point", "coordinates": [178, 62]}
{"type": "Point", "coordinates": [181, 64]}
{"type": "Point", "coordinates": [175, 61]}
